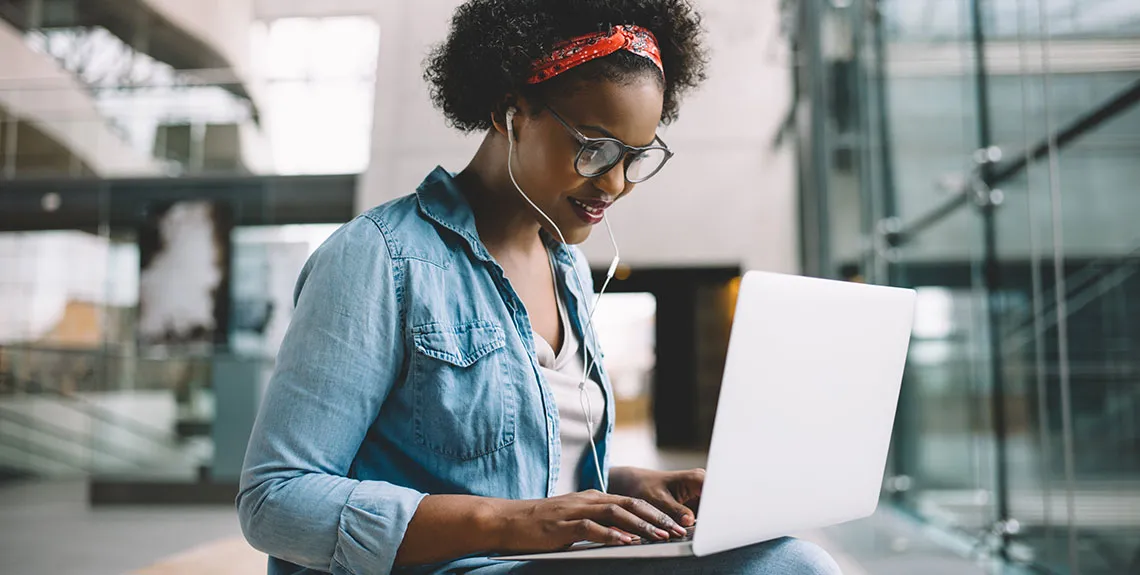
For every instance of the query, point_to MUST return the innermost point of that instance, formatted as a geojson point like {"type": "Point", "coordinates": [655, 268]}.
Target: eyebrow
{"type": "Point", "coordinates": [609, 134]}
{"type": "Point", "coordinates": [599, 129]}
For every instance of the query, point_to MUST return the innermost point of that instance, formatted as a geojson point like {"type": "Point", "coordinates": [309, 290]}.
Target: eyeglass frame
{"type": "Point", "coordinates": [585, 141]}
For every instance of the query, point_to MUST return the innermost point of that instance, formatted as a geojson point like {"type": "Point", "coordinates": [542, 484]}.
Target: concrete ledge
{"type": "Point", "coordinates": [141, 492]}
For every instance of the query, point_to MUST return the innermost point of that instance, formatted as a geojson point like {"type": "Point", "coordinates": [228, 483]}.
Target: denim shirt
{"type": "Point", "coordinates": [408, 369]}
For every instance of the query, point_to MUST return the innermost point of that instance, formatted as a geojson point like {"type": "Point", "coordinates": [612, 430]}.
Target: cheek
{"type": "Point", "coordinates": [551, 165]}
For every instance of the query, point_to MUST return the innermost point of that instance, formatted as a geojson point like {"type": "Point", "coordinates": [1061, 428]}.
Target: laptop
{"type": "Point", "coordinates": [804, 420]}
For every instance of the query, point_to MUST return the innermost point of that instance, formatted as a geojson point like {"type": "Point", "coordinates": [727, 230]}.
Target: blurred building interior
{"type": "Point", "coordinates": [167, 166]}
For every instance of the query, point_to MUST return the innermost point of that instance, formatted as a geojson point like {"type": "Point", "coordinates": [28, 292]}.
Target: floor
{"type": "Point", "coordinates": [887, 543]}
{"type": "Point", "coordinates": [48, 528]}
{"type": "Point", "coordinates": [36, 517]}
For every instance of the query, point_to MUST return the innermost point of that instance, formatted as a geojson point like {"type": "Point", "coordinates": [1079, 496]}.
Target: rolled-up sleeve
{"type": "Point", "coordinates": [337, 363]}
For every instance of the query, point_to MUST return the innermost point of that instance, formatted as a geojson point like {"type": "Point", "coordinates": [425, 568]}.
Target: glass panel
{"type": "Point", "coordinates": [1069, 339]}
{"type": "Point", "coordinates": [945, 448]}
{"type": "Point", "coordinates": [137, 351]}
{"type": "Point", "coordinates": [1067, 349]}
{"type": "Point", "coordinates": [945, 454]}
{"type": "Point", "coordinates": [1068, 262]}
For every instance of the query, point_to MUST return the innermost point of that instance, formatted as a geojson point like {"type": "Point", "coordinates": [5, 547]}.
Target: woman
{"type": "Point", "coordinates": [432, 402]}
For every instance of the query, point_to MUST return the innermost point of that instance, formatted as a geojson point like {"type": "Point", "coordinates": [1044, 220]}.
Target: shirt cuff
{"type": "Point", "coordinates": [372, 527]}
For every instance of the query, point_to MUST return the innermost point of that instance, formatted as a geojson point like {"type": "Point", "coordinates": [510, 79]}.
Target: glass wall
{"type": "Point", "coordinates": [160, 189]}
{"type": "Point", "coordinates": [122, 359]}
{"type": "Point", "coordinates": [984, 152]}
{"type": "Point", "coordinates": [102, 93]}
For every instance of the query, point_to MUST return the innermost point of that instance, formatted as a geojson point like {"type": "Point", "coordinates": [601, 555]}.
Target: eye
{"type": "Point", "coordinates": [597, 157]}
{"type": "Point", "coordinates": [645, 164]}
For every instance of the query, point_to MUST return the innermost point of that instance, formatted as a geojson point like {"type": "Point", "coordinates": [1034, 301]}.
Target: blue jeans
{"type": "Point", "coordinates": [779, 557]}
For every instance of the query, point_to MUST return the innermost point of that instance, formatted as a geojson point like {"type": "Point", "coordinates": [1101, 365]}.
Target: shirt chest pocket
{"type": "Point", "coordinates": [464, 405]}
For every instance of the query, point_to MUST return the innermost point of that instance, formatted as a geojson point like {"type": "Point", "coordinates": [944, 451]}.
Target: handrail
{"type": "Point", "coordinates": [1115, 105]}
{"type": "Point", "coordinates": [96, 411]}
{"type": "Point", "coordinates": [61, 433]}
{"type": "Point", "coordinates": [42, 451]}
{"type": "Point", "coordinates": [1090, 278]}
{"type": "Point", "coordinates": [1000, 173]}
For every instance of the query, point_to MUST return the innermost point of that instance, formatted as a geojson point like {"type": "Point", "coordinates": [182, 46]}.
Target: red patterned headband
{"type": "Point", "coordinates": [578, 51]}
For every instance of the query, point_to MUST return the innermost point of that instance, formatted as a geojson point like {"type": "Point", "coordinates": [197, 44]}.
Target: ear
{"type": "Point", "coordinates": [499, 115]}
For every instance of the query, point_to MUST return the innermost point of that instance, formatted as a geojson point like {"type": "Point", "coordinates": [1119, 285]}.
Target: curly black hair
{"type": "Point", "coordinates": [493, 44]}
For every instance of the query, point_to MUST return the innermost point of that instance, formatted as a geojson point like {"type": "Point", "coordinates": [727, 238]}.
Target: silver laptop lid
{"type": "Point", "coordinates": [806, 408]}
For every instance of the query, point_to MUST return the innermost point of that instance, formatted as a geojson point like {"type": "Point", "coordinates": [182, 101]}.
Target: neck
{"type": "Point", "coordinates": [505, 222]}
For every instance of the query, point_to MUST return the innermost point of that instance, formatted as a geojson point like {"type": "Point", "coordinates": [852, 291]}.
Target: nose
{"type": "Point", "coordinates": [612, 182]}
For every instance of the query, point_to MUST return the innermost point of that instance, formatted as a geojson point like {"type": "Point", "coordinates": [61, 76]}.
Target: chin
{"type": "Point", "coordinates": [575, 231]}
{"type": "Point", "coordinates": [576, 237]}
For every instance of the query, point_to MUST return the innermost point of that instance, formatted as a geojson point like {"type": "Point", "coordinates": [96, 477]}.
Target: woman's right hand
{"type": "Point", "coordinates": [557, 522]}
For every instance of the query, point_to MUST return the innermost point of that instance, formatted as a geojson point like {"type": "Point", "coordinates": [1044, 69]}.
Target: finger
{"type": "Point", "coordinates": [615, 514]}
{"type": "Point", "coordinates": [682, 514]}
{"type": "Point", "coordinates": [695, 477]}
{"type": "Point", "coordinates": [687, 485]}
{"type": "Point", "coordinates": [652, 514]}
{"type": "Point", "coordinates": [632, 536]}
{"type": "Point", "coordinates": [587, 530]}
{"type": "Point", "coordinates": [695, 505]}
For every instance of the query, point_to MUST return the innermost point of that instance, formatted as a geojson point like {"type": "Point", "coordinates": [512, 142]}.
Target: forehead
{"type": "Point", "coordinates": [631, 111]}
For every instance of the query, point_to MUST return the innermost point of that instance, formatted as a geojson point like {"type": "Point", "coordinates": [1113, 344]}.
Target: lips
{"type": "Point", "coordinates": [590, 211]}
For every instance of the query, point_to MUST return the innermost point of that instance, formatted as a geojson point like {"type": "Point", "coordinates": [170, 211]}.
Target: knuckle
{"type": "Point", "coordinates": [612, 510]}
{"type": "Point", "coordinates": [582, 528]}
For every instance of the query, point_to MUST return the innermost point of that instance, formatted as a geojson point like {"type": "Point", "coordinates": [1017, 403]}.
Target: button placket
{"type": "Point", "coordinates": [522, 325]}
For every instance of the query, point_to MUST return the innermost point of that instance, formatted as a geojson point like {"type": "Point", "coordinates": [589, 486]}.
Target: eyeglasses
{"type": "Point", "coordinates": [598, 156]}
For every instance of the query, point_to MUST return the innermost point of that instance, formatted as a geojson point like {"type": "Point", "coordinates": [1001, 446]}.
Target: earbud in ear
{"type": "Point", "coordinates": [511, 122]}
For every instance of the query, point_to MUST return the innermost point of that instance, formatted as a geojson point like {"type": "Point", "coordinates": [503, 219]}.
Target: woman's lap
{"type": "Point", "coordinates": [780, 557]}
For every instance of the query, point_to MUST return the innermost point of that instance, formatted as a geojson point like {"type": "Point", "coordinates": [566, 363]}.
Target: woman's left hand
{"type": "Point", "coordinates": [670, 491]}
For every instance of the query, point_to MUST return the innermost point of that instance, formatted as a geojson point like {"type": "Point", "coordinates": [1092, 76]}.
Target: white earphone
{"type": "Point", "coordinates": [583, 397]}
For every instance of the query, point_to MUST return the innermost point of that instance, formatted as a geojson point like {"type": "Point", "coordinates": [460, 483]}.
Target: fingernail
{"type": "Point", "coordinates": [680, 531]}
{"type": "Point", "coordinates": [662, 534]}
{"type": "Point", "coordinates": [626, 539]}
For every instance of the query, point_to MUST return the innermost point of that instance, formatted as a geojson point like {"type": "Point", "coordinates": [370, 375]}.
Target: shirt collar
{"type": "Point", "coordinates": [443, 202]}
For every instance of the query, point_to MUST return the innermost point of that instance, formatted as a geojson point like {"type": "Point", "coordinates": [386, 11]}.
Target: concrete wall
{"type": "Point", "coordinates": [223, 24]}
{"type": "Point", "coordinates": [726, 199]}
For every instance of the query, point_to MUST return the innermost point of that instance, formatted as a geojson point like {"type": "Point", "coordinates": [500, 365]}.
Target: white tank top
{"type": "Point", "coordinates": [563, 372]}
